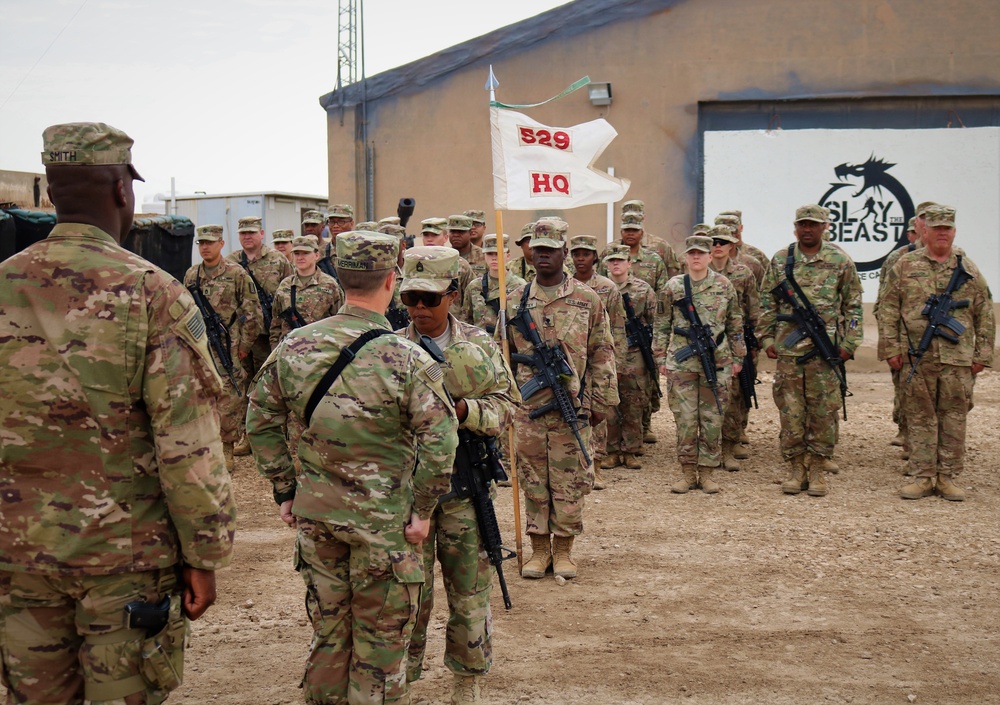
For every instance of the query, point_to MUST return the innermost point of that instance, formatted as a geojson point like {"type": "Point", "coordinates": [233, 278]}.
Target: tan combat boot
{"type": "Point", "coordinates": [465, 690]}
{"type": "Point", "coordinates": [541, 557]}
{"type": "Point", "coordinates": [242, 448]}
{"type": "Point", "coordinates": [920, 487]}
{"type": "Point", "coordinates": [830, 465]}
{"type": "Point", "coordinates": [227, 454]}
{"type": "Point", "coordinates": [708, 485]}
{"type": "Point", "coordinates": [744, 438]}
{"type": "Point", "coordinates": [598, 480]}
{"type": "Point", "coordinates": [632, 462]}
{"type": "Point", "coordinates": [729, 461]}
{"type": "Point", "coordinates": [796, 481]}
{"type": "Point", "coordinates": [740, 452]}
{"type": "Point", "coordinates": [948, 489]}
{"type": "Point", "coordinates": [688, 481]}
{"type": "Point", "coordinates": [611, 461]}
{"type": "Point", "coordinates": [649, 436]}
{"type": "Point", "coordinates": [899, 440]}
{"type": "Point", "coordinates": [817, 476]}
{"type": "Point", "coordinates": [562, 563]}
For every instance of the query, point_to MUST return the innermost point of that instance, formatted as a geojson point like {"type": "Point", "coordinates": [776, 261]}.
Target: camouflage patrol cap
{"type": "Point", "coordinates": [437, 226]}
{"type": "Point", "coordinates": [367, 252]}
{"type": "Point", "coordinates": [632, 221]}
{"type": "Point", "coordinates": [490, 243]}
{"type": "Point", "coordinates": [923, 207]}
{"type": "Point", "coordinates": [938, 215]}
{"type": "Point", "coordinates": [738, 214]}
{"type": "Point", "coordinates": [698, 243]}
{"type": "Point", "coordinates": [811, 212]}
{"type": "Point", "coordinates": [722, 232]}
{"type": "Point", "coordinates": [459, 222]}
{"type": "Point", "coordinates": [469, 371]}
{"type": "Point", "coordinates": [305, 243]}
{"type": "Point", "coordinates": [583, 242]}
{"type": "Point", "coordinates": [283, 235]}
{"type": "Point", "coordinates": [389, 220]}
{"type": "Point", "coordinates": [618, 251]}
{"type": "Point", "coordinates": [429, 268]}
{"type": "Point", "coordinates": [727, 219]}
{"type": "Point", "coordinates": [477, 216]}
{"type": "Point", "coordinates": [392, 229]}
{"type": "Point", "coordinates": [312, 218]}
{"type": "Point", "coordinates": [341, 210]}
{"type": "Point", "coordinates": [369, 226]}
{"type": "Point", "coordinates": [87, 144]}
{"type": "Point", "coordinates": [702, 229]}
{"type": "Point", "coordinates": [911, 224]}
{"type": "Point", "coordinates": [252, 223]}
{"type": "Point", "coordinates": [549, 233]}
{"type": "Point", "coordinates": [527, 231]}
{"type": "Point", "coordinates": [208, 233]}
{"type": "Point", "coordinates": [635, 206]}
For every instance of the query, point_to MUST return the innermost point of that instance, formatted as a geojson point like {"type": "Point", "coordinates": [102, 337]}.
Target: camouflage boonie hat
{"type": "Point", "coordinates": [632, 221]}
{"type": "Point", "coordinates": [208, 233]}
{"type": "Point", "coordinates": [369, 226]}
{"type": "Point", "coordinates": [429, 268]}
{"type": "Point", "coordinates": [635, 206]}
{"type": "Point", "coordinates": [812, 212]}
{"type": "Point", "coordinates": [436, 226]}
{"type": "Point", "coordinates": [459, 222]}
{"type": "Point", "coordinates": [87, 144]}
{"type": "Point", "coordinates": [252, 223]}
{"type": "Point", "coordinates": [305, 243]}
{"type": "Point", "coordinates": [477, 216]}
{"type": "Point", "coordinates": [921, 207]}
{"type": "Point", "coordinates": [469, 371]}
{"type": "Point", "coordinates": [549, 233]}
{"type": "Point", "coordinates": [698, 243]}
{"type": "Point", "coordinates": [490, 243]}
{"type": "Point", "coordinates": [527, 231]}
{"type": "Point", "coordinates": [722, 232]}
{"type": "Point", "coordinates": [583, 242]}
{"type": "Point", "coordinates": [283, 235]}
{"type": "Point", "coordinates": [389, 220]}
{"type": "Point", "coordinates": [392, 229]}
{"type": "Point", "coordinates": [313, 218]}
{"type": "Point", "coordinates": [738, 214]}
{"type": "Point", "coordinates": [341, 210]}
{"type": "Point", "coordinates": [367, 252]}
{"type": "Point", "coordinates": [727, 219]}
{"type": "Point", "coordinates": [937, 215]}
{"type": "Point", "coordinates": [911, 224]}
{"type": "Point", "coordinates": [618, 251]}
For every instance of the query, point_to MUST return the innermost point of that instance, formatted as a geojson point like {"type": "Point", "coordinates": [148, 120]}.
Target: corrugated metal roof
{"type": "Point", "coordinates": [561, 22]}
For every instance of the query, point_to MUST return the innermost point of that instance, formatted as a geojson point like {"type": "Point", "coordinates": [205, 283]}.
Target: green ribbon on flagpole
{"type": "Point", "coordinates": [569, 89]}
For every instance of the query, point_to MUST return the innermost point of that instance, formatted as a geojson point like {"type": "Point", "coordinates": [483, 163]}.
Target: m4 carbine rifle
{"type": "Point", "coordinates": [216, 331]}
{"type": "Point", "coordinates": [700, 341]}
{"type": "Point", "coordinates": [640, 335]}
{"type": "Point", "coordinates": [291, 314]}
{"type": "Point", "coordinates": [939, 319]}
{"type": "Point", "coordinates": [748, 373]}
{"type": "Point", "coordinates": [266, 299]}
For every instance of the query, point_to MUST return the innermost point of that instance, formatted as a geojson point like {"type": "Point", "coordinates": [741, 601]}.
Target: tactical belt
{"type": "Point", "coordinates": [347, 356]}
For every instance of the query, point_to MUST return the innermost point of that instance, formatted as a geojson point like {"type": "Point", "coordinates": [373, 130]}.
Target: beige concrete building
{"type": "Point", "coordinates": [23, 189]}
{"type": "Point", "coordinates": [678, 68]}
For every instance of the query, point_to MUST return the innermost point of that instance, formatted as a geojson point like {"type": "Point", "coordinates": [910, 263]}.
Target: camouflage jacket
{"type": "Point", "coordinates": [755, 252]}
{"type": "Point", "coordinates": [608, 292]}
{"type": "Point", "coordinates": [915, 278]}
{"type": "Point", "coordinates": [643, 300]}
{"type": "Point", "coordinates": [718, 306]}
{"type": "Point", "coordinates": [666, 253]}
{"type": "Point", "coordinates": [831, 282]}
{"type": "Point", "coordinates": [742, 279]}
{"type": "Point", "coordinates": [883, 272]}
{"type": "Point", "coordinates": [465, 277]}
{"type": "Point", "coordinates": [269, 269]}
{"type": "Point", "coordinates": [359, 454]}
{"type": "Point", "coordinates": [573, 318]}
{"type": "Point", "coordinates": [476, 260]}
{"type": "Point", "coordinates": [476, 309]}
{"type": "Point", "coordinates": [493, 412]}
{"type": "Point", "coordinates": [756, 267]}
{"type": "Point", "coordinates": [231, 293]}
{"type": "Point", "coordinates": [646, 265]}
{"type": "Point", "coordinates": [316, 296]}
{"type": "Point", "coordinates": [521, 267]}
{"type": "Point", "coordinates": [110, 458]}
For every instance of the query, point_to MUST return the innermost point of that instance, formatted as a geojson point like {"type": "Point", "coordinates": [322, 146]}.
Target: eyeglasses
{"type": "Point", "coordinates": [429, 299]}
{"type": "Point", "coordinates": [720, 243]}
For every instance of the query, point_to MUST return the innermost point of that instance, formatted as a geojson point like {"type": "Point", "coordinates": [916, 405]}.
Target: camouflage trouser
{"type": "Point", "coordinates": [251, 364]}
{"type": "Point", "coordinates": [231, 403]}
{"type": "Point", "coordinates": [65, 639]}
{"type": "Point", "coordinates": [808, 399]}
{"type": "Point", "coordinates": [652, 406]}
{"type": "Point", "coordinates": [599, 440]}
{"type": "Point", "coordinates": [737, 413]}
{"type": "Point", "coordinates": [625, 433]}
{"type": "Point", "coordinates": [468, 581]}
{"type": "Point", "coordinates": [552, 473]}
{"type": "Point", "coordinates": [697, 417]}
{"type": "Point", "coordinates": [362, 616]}
{"type": "Point", "coordinates": [898, 417]}
{"type": "Point", "coordinates": [936, 402]}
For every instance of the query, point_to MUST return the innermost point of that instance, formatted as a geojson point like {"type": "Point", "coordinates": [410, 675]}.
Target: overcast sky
{"type": "Point", "coordinates": [221, 94]}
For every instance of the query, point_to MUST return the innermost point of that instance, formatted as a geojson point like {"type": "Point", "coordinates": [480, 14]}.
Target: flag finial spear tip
{"type": "Point", "coordinates": [492, 83]}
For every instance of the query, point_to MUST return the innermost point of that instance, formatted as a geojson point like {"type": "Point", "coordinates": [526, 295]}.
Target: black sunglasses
{"type": "Point", "coordinates": [429, 299]}
{"type": "Point", "coordinates": [720, 243]}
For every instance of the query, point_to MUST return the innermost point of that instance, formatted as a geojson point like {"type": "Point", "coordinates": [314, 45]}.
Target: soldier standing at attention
{"type": "Point", "coordinates": [521, 264]}
{"type": "Point", "coordinates": [553, 473]}
{"type": "Point", "coordinates": [429, 287]}
{"type": "Point", "coordinates": [312, 224]}
{"type": "Point", "coordinates": [808, 394]}
{"type": "Point", "coordinates": [656, 244]}
{"type": "Point", "coordinates": [306, 296]}
{"type": "Point", "coordinates": [481, 304]}
{"type": "Point", "coordinates": [693, 401]}
{"type": "Point", "coordinates": [434, 231]}
{"type": "Point", "coordinates": [229, 293]}
{"type": "Point", "coordinates": [938, 398]}
{"type": "Point", "coordinates": [734, 219]}
{"type": "Point", "coordinates": [459, 229]}
{"type": "Point", "coordinates": [362, 503]}
{"type": "Point", "coordinates": [478, 231]}
{"type": "Point", "coordinates": [282, 240]}
{"type": "Point", "coordinates": [340, 219]}
{"type": "Point", "coordinates": [115, 497]}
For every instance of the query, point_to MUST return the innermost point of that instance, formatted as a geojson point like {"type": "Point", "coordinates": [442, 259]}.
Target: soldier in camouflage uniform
{"type": "Point", "coordinates": [583, 250]}
{"type": "Point", "coordinates": [478, 231]}
{"type": "Point", "coordinates": [742, 279]}
{"type": "Point", "coordinates": [938, 398]}
{"type": "Point", "coordinates": [481, 303]}
{"type": "Point", "coordinates": [745, 251]}
{"type": "Point", "coordinates": [312, 224]}
{"type": "Point", "coordinates": [114, 490]}
{"type": "Point", "coordinates": [656, 244]}
{"type": "Point", "coordinates": [808, 395]}
{"type": "Point", "coordinates": [282, 240]}
{"type": "Point", "coordinates": [434, 231]}
{"type": "Point", "coordinates": [230, 293]}
{"type": "Point", "coordinates": [429, 285]}
{"type": "Point", "coordinates": [340, 219]}
{"type": "Point", "coordinates": [362, 503]}
{"type": "Point", "coordinates": [635, 386]}
{"type": "Point", "coordinates": [520, 265]}
{"type": "Point", "coordinates": [554, 476]}
{"type": "Point", "coordinates": [691, 398]}
{"type": "Point", "coordinates": [459, 229]}
{"type": "Point", "coordinates": [309, 292]}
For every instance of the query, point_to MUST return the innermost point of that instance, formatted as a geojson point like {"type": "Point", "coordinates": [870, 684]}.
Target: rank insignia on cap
{"type": "Point", "coordinates": [419, 267]}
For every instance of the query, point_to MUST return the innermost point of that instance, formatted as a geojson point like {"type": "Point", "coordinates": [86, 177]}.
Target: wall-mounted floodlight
{"type": "Point", "coordinates": [599, 93]}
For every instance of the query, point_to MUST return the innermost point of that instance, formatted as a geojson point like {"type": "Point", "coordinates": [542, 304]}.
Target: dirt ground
{"type": "Point", "coordinates": [748, 596]}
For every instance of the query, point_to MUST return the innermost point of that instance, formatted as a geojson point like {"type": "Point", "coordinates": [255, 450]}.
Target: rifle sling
{"type": "Point", "coordinates": [345, 358]}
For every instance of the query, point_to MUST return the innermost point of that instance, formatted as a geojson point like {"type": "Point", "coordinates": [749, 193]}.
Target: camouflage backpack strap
{"type": "Point", "coordinates": [345, 358]}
